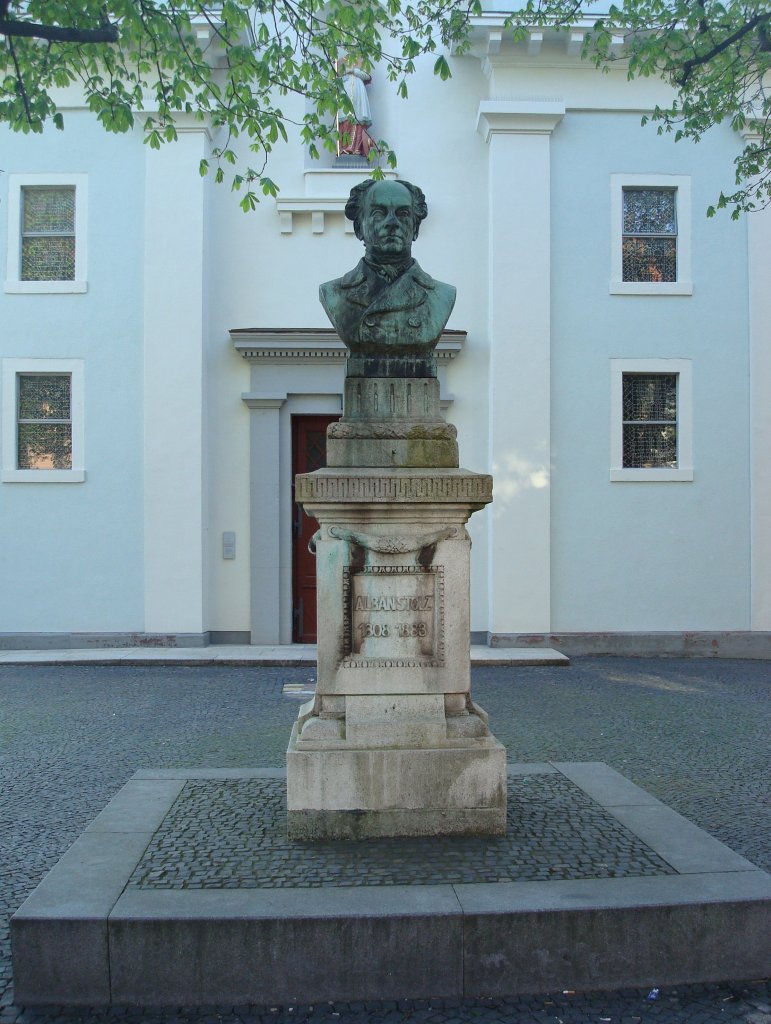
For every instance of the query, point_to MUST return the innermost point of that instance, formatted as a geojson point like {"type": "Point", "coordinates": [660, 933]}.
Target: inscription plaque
{"type": "Point", "coordinates": [394, 615]}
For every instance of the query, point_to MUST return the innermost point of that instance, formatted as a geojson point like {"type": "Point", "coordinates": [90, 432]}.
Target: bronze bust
{"type": "Point", "coordinates": [387, 306]}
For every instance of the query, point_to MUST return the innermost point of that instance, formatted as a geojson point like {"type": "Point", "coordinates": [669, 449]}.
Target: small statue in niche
{"type": "Point", "coordinates": [353, 137]}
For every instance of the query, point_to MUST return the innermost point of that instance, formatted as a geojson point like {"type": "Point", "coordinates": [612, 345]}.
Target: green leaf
{"type": "Point", "coordinates": [442, 68]}
{"type": "Point", "coordinates": [249, 202]}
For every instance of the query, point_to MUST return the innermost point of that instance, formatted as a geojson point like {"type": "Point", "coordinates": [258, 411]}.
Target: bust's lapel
{"type": "Point", "coordinates": [356, 285]}
{"type": "Point", "coordinates": [406, 292]}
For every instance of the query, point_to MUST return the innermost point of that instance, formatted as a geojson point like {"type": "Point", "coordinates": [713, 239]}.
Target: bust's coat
{"type": "Point", "coordinates": [407, 315]}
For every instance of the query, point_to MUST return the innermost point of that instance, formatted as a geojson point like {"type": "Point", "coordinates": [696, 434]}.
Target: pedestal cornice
{"type": "Point", "coordinates": [450, 486]}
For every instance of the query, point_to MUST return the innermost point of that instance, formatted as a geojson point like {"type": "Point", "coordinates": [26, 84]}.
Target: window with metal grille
{"type": "Point", "coordinates": [44, 421]}
{"type": "Point", "coordinates": [649, 234]}
{"type": "Point", "coordinates": [48, 233]}
{"type": "Point", "coordinates": [649, 409]}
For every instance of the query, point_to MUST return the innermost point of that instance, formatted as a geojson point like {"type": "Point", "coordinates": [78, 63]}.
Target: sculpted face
{"type": "Point", "coordinates": [388, 222]}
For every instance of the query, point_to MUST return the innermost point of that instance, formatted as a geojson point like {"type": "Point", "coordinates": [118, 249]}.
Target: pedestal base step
{"type": "Point", "coordinates": [375, 792]}
{"type": "Point", "coordinates": [359, 824]}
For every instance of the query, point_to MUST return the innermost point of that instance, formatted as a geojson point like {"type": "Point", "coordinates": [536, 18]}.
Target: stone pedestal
{"type": "Point", "coordinates": [392, 743]}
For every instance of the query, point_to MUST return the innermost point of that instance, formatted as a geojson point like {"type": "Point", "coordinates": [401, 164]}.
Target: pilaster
{"type": "Point", "coordinates": [518, 133]}
{"type": "Point", "coordinates": [265, 515]}
{"type": "Point", "coordinates": [759, 241]}
{"type": "Point", "coordinates": [174, 331]}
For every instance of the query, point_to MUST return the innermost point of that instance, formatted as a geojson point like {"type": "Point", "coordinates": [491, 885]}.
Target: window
{"type": "Point", "coordinates": [46, 233]}
{"type": "Point", "coordinates": [649, 410]}
{"type": "Point", "coordinates": [651, 420]}
{"type": "Point", "coordinates": [43, 421]}
{"type": "Point", "coordinates": [650, 235]}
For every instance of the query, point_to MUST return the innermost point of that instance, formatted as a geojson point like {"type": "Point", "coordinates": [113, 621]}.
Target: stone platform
{"type": "Point", "coordinates": [185, 891]}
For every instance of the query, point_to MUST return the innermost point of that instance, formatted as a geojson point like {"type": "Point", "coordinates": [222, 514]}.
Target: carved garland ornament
{"type": "Point", "coordinates": [393, 545]}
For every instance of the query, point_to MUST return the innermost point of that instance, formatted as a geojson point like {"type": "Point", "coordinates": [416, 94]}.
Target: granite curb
{"type": "Point", "coordinates": [85, 936]}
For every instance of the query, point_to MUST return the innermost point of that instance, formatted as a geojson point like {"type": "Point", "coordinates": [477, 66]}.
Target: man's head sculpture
{"type": "Point", "coordinates": [362, 194]}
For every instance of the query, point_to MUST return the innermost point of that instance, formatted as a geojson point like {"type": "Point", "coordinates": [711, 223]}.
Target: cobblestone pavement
{"type": "Point", "coordinates": [694, 733]}
{"type": "Point", "coordinates": [232, 835]}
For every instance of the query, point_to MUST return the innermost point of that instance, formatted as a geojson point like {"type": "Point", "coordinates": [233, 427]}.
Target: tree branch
{"type": "Point", "coordinates": [20, 83]}
{"type": "Point", "coordinates": [58, 33]}
{"type": "Point", "coordinates": [758, 22]}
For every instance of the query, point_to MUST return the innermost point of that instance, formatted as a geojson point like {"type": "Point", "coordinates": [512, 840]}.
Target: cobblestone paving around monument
{"type": "Point", "coordinates": [232, 835]}
{"type": "Point", "coordinates": [694, 733]}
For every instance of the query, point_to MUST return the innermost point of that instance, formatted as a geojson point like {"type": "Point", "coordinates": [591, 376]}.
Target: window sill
{"type": "Point", "coordinates": [43, 476]}
{"type": "Point", "coordinates": [651, 288]}
{"type": "Point", "coordinates": [651, 475]}
{"type": "Point", "coordinates": [45, 287]}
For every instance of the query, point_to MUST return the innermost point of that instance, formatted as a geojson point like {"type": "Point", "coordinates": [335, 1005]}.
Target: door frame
{"type": "Point", "coordinates": [296, 420]}
{"type": "Point", "coordinates": [270, 516]}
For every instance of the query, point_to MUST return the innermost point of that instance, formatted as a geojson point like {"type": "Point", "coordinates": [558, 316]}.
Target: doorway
{"type": "Point", "coordinates": [309, 453]}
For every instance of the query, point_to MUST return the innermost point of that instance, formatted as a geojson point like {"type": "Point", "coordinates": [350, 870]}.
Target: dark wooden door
{"type": "Point", "coordinates": [309, 453]}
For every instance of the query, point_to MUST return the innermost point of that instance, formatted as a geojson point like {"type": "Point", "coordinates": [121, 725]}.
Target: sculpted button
{"type": "Point", "coordinates": [414, 321]}
{"type": "Point", "coordinates": [370, 321]}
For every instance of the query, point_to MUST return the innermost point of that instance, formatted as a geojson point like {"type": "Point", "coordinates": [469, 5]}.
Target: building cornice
{"type": "Point", "coordinates": [492, 37]}
{"type": "Point", "coordinates": [517, 117]}
{"type": "Point", "coordinates": [261, 400]}
{"type": "Point", "coordinates": [313, 344]}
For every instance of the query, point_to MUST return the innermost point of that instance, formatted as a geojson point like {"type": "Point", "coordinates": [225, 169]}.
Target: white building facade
{"type": "Point", "coordinates": [608, 361]}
